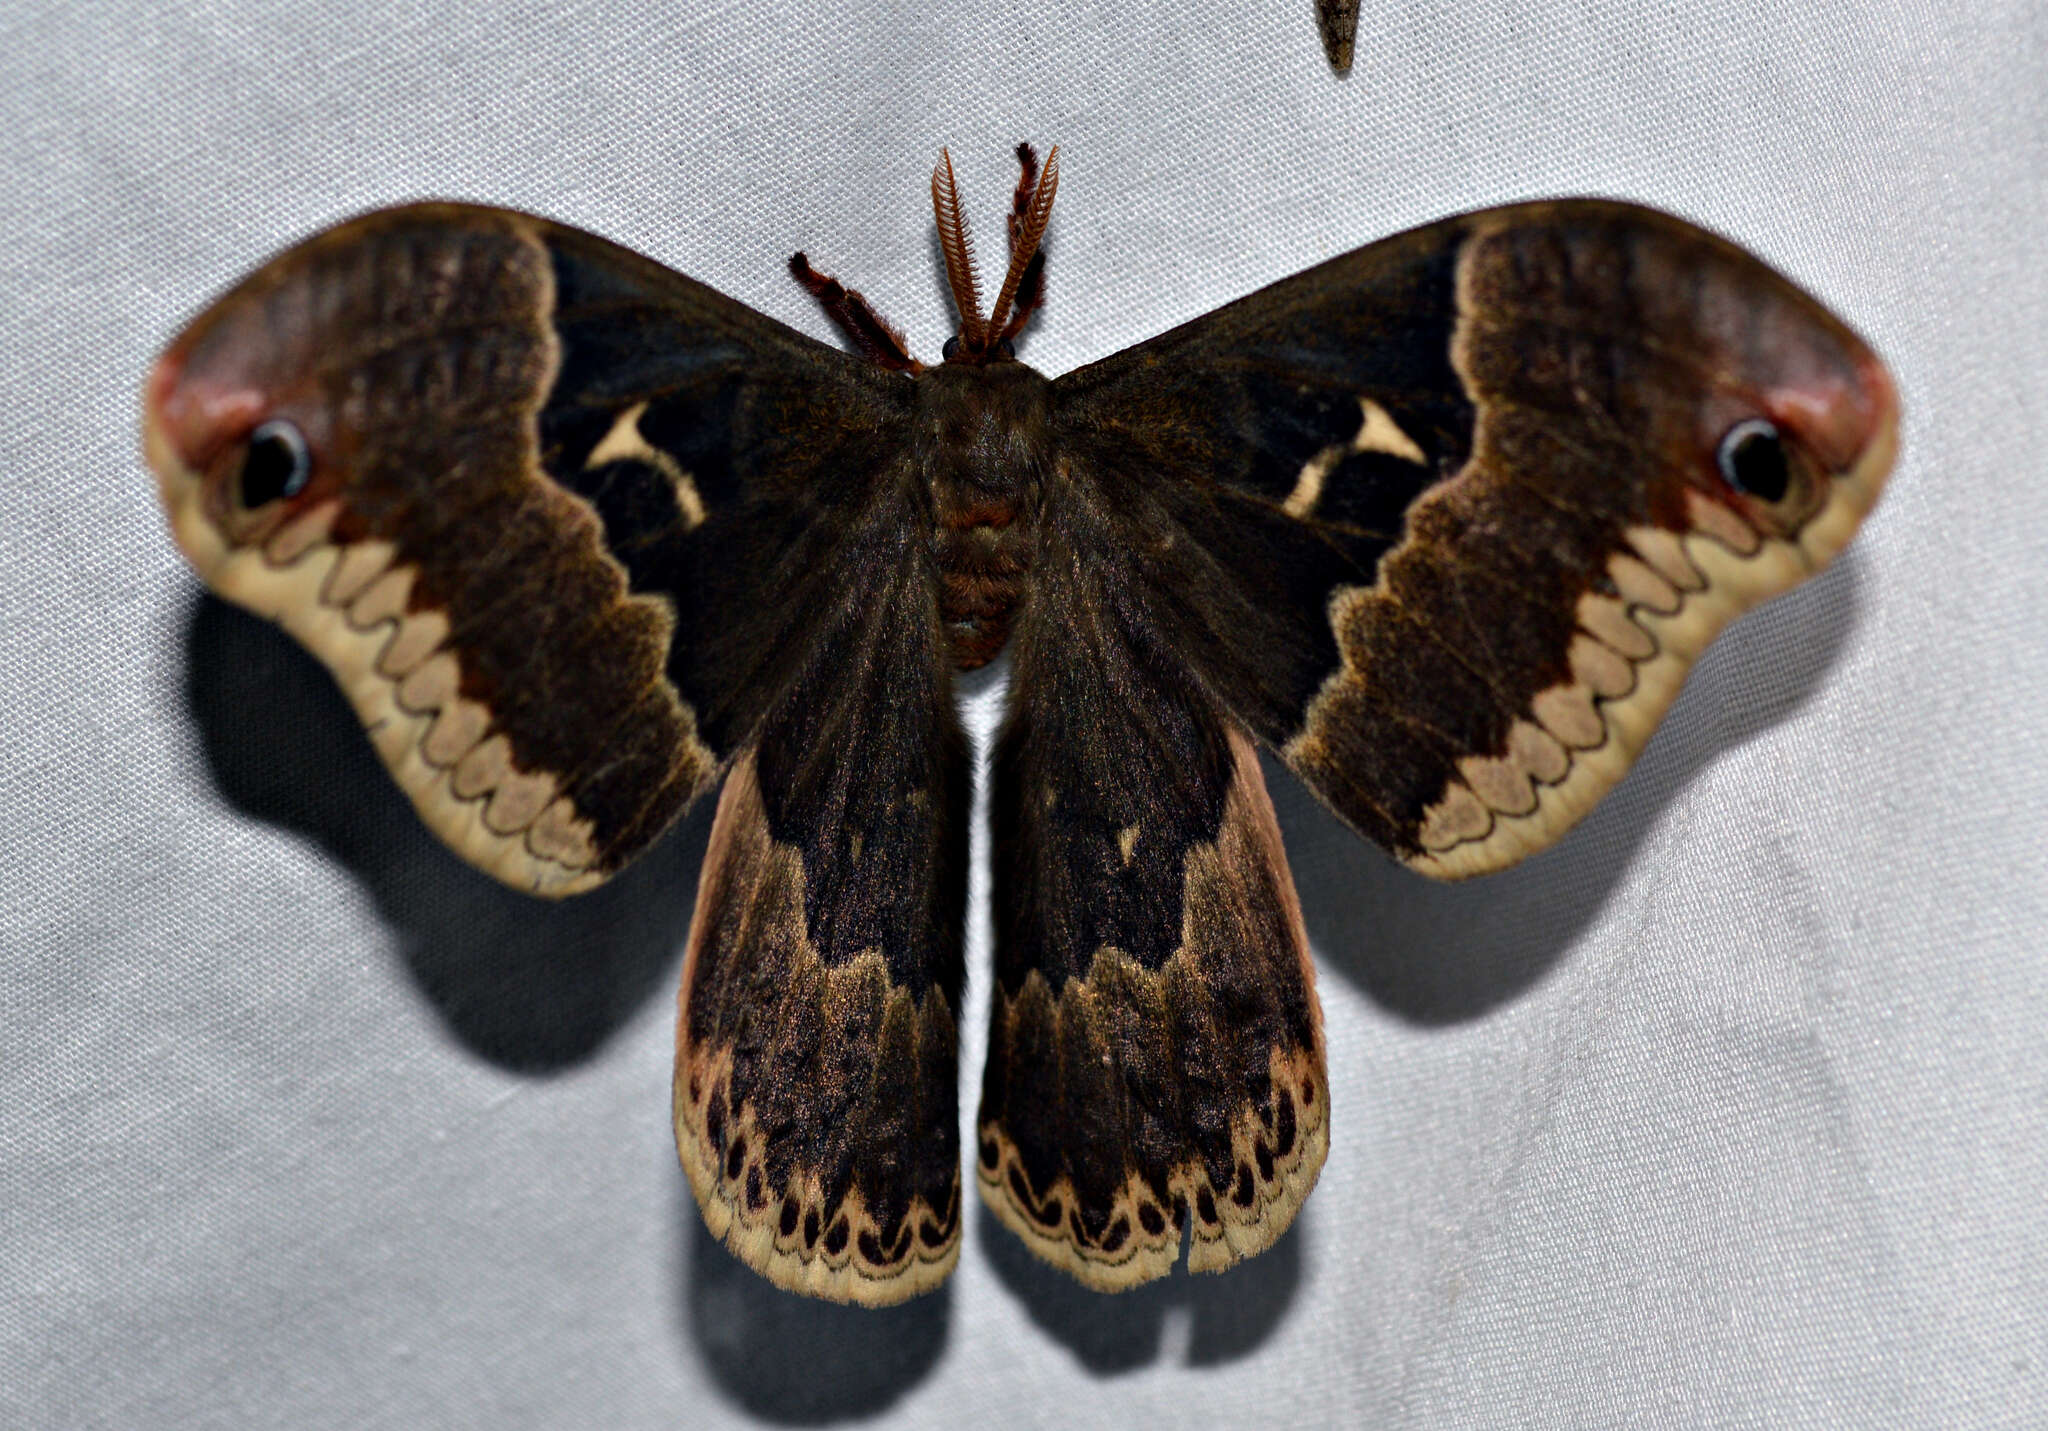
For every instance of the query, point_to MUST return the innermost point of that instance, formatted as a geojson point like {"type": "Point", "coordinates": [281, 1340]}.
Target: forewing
{"type": "Point", "coordinates": [816, 1069]}
{"type": "Point", "coordinates": [1155, 1056]}
{"type": "Point", "coordinates": [565, 517]}
{"type": "Point", "coordinates": [1446, 520]}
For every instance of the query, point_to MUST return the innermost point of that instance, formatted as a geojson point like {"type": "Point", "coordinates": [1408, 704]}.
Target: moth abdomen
{"type": "Point", "coordinates": [981, 460]}
{"type": "Point", "coordinates": [977, 611]}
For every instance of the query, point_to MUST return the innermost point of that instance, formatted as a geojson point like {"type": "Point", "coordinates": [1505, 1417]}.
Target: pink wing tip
{"type": "Point", "coordinates": [194, 417]}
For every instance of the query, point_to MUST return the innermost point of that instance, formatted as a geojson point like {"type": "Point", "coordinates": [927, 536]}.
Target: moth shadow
{"type": "Point", "coordinates": [796, 1360]}
{"type": "Point", "coordinates": [529, 984]}
{"type": "Point", "coordinates": [1229, 1316]}
{"type": "Point", "coordinates": [1444, 953]}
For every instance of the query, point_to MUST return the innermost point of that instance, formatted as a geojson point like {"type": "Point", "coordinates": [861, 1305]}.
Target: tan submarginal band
{"type": "Point", "coordinates": [784, 1239]}
{"type": "Point", "coordinates": [347, 606]}
{"type": "Point", "coordinates": [1142, 1237]}
{"type": "Point", "coordinates": [1679, 590]}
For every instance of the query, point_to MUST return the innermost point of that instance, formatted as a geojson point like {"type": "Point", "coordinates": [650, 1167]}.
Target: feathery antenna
{"type": "Point", "coordinates": [1029, 214]}
{"type": "Point", "coordinates": [958, 245]}
{"type": "Point", "coordinates": [1023, 287]}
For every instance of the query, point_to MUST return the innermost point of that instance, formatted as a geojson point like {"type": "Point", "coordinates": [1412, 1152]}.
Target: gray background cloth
{"type": "Point", "coordinates": [1728, 1111]}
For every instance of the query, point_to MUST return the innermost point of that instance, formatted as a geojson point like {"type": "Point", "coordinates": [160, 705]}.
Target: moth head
{"type": "Point", "coordinates": [991, 339]}
{"type": "Point", "coordinates": [981, 340]}
{"type": "Point", "coordinates": [953, 352]}
{"type": "Point", "coordinates": [238, 436]}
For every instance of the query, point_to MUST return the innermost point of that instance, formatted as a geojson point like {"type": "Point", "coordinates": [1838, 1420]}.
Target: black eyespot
{"type": "Point", "coordinates": [1753, 460]}
{"type": "Point", "coordinates": [951, 350]}
{"type": "Point", "coordinates": [277, 465]}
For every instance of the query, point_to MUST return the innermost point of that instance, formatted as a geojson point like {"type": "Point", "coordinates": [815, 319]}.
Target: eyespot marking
{"type": "Point", "coordinates": [277, 465]}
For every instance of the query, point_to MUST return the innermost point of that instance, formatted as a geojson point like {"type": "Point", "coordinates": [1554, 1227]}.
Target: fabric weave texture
{"type": "Point", "coordinates": [1728, 1111]}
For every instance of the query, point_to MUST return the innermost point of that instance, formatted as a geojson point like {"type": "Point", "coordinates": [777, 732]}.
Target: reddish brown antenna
{"type": "Point", "coordinates": [1022, 288]}
{"type": "Point", "coordinates": [1028, 218]}
{"type": "Point", "coordinates": [958, 245]}
{"type": "Point", "coordinates": [1023, 283]}
{"type": "Point", "coordinates": [875, 336]}
{"type": "Point", "coordinates": [1031, 287]}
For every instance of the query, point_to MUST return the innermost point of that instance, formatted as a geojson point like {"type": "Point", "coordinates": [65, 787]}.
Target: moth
{"type": "Point", "coordinates": [1441, 523]}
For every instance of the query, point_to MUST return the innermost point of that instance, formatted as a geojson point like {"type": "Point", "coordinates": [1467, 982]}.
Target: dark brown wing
{"type": "Point", "coordinates": [816, 1064]}
{"type": "Point", "coordinates": [1446, 520]}
{"type": "Point", "coordinates": [1155, 1058]}
{"type": "Point", "coordinates": [559, 519]}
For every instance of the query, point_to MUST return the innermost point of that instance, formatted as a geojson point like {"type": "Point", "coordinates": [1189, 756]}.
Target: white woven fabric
{"type": "Point", "coordinates": [1732, 1110]}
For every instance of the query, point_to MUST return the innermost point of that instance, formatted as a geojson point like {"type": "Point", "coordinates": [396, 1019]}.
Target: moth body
{"type": "Point", "coordinates": [983, 447]}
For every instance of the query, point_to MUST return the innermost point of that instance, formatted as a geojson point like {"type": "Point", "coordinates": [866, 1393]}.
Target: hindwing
{"type": "Point", "coordinates": [1155, 1058]}
{"type": "Point", "coordinates": [816, 1077]}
